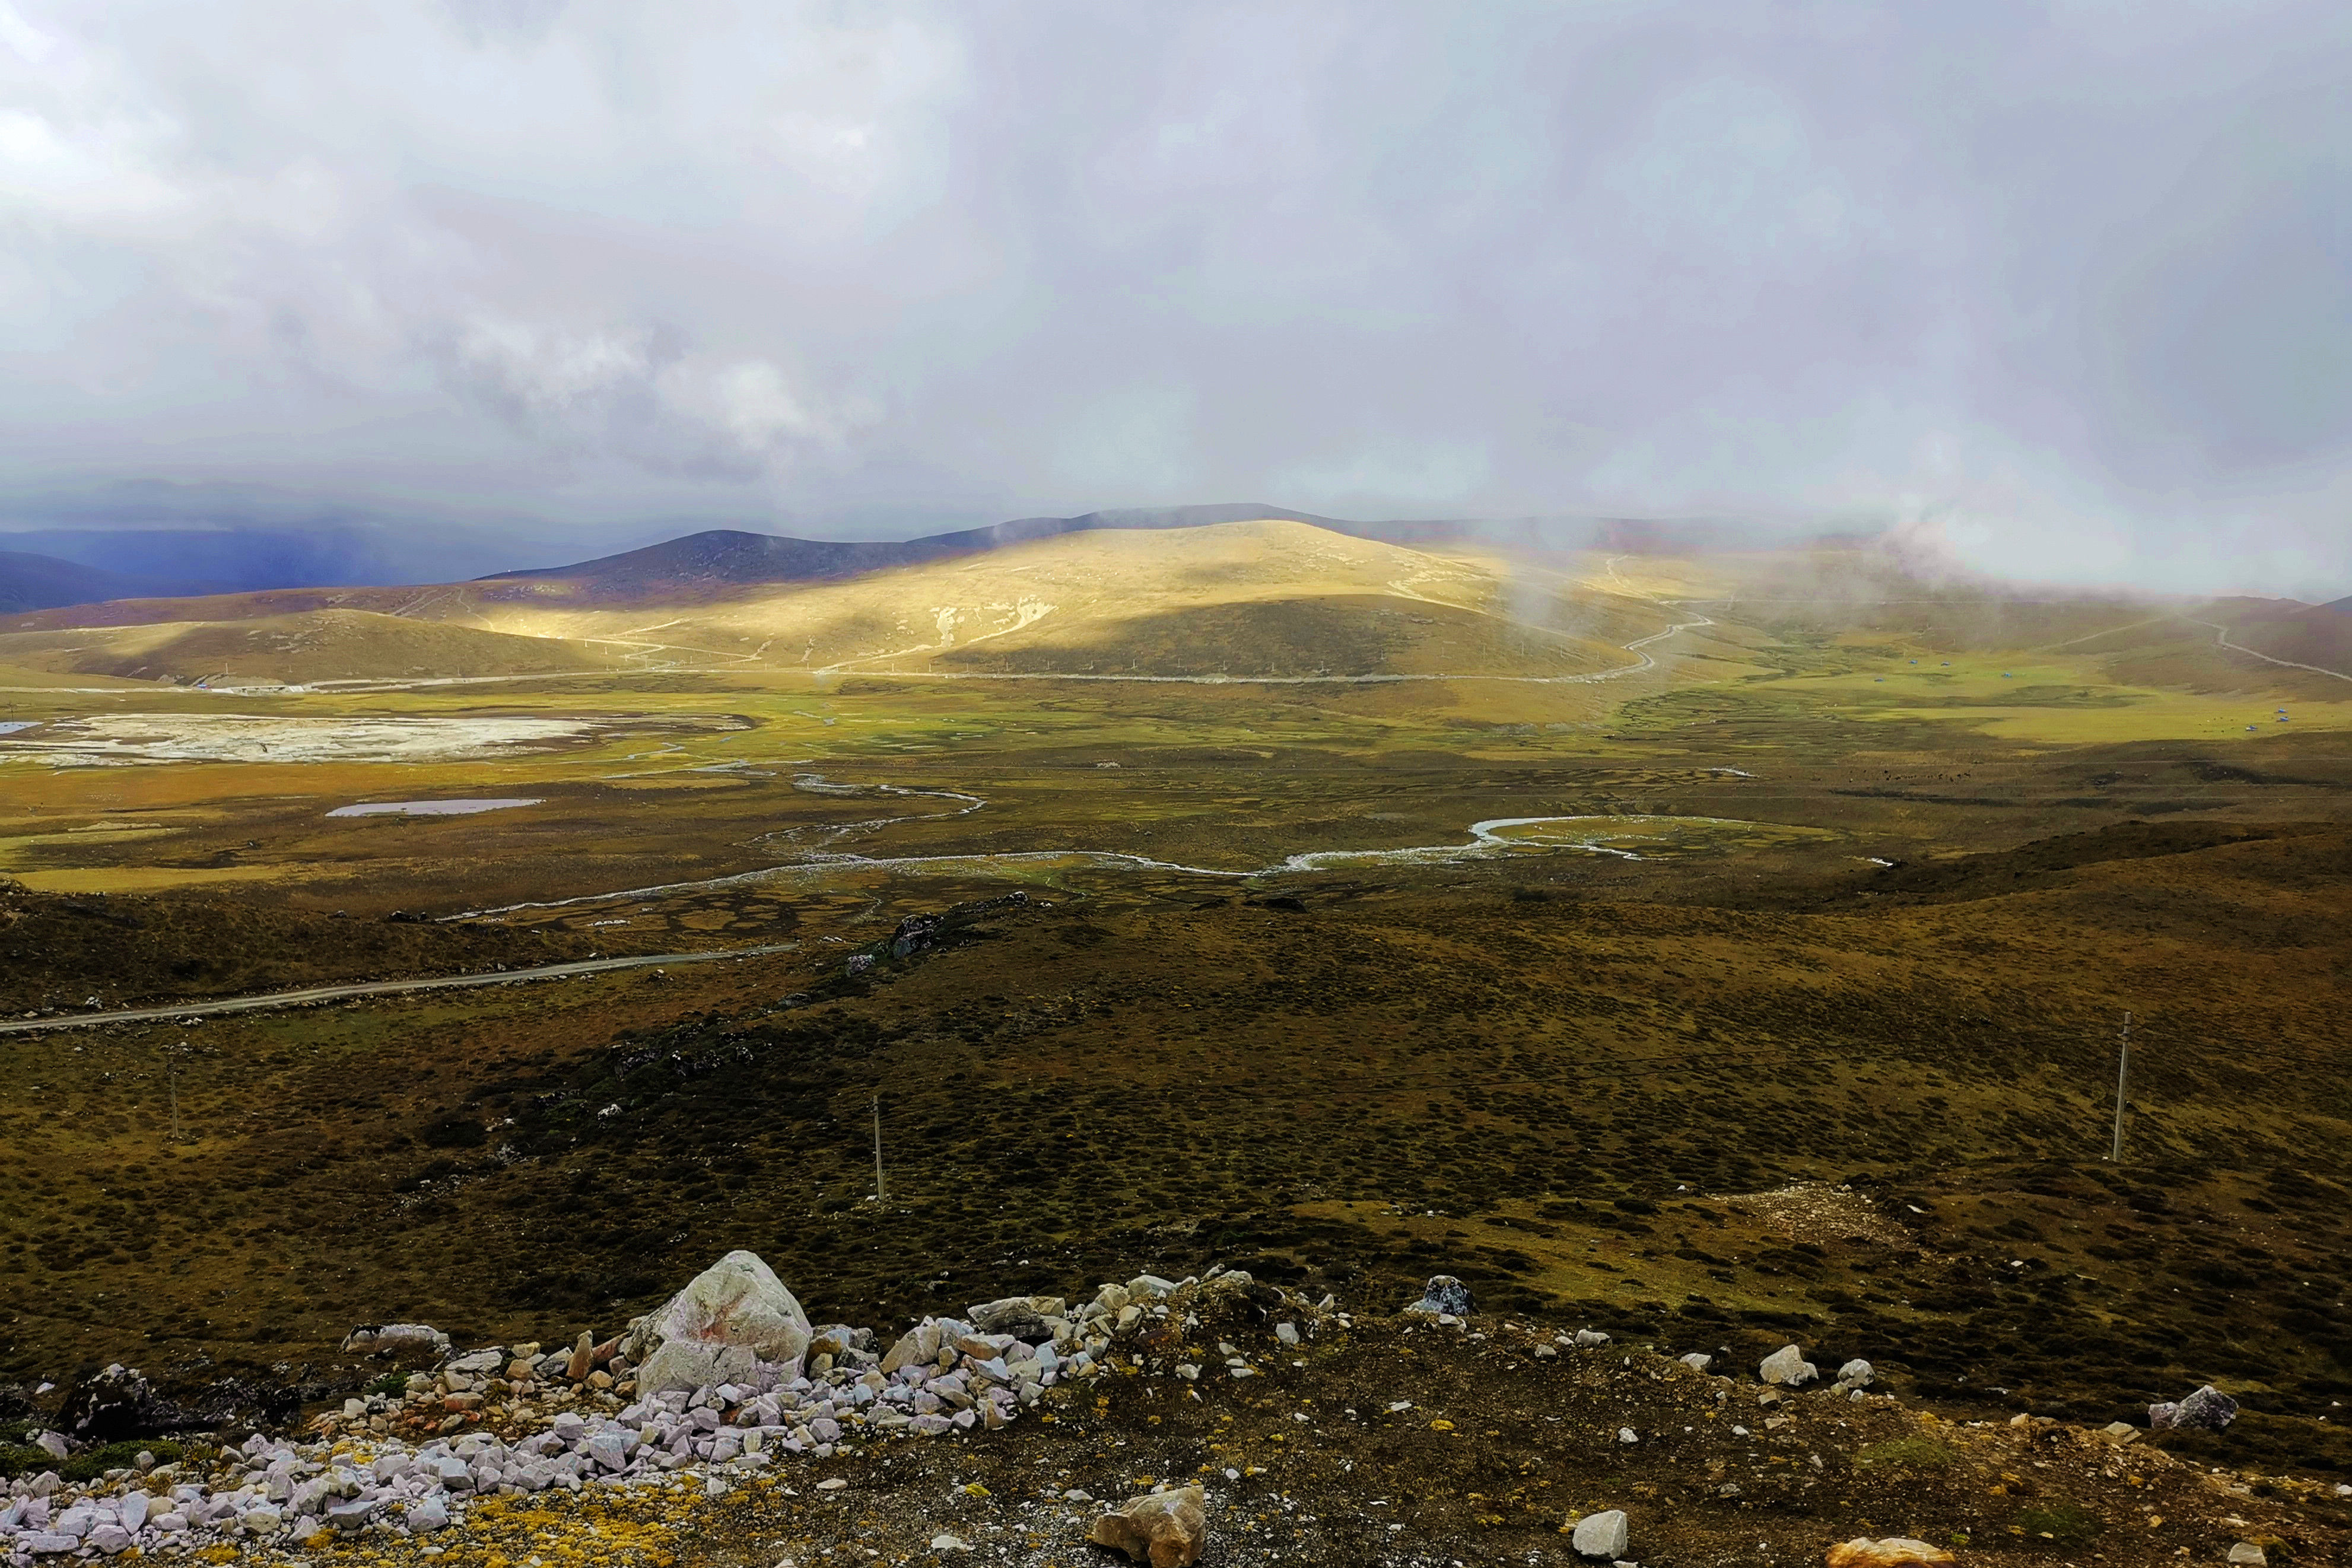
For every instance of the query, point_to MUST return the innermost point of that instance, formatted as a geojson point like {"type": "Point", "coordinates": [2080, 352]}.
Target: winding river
{"type": "Point", "coordinates": [1496, 837]}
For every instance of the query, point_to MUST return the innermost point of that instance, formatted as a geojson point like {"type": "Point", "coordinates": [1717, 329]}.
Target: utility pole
{"type": "Point", "coordinates": [2123, 1079]}
{"type": "Point", "coordinates": [882, 1193]}
{"type": "Point", "coordinates": [172, 1081]}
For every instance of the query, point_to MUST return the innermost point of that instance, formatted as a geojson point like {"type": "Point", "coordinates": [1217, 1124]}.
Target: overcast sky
{"type": "Point", "coordinates": [2070, 281]}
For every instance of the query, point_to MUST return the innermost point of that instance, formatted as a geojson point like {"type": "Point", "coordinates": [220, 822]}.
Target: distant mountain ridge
{"type": "Point", "coordinates": [30, 581]}
{"type": "Point", "coordinates": [66, 567]}
{"type": "Point", "coordinates": [720, 558]}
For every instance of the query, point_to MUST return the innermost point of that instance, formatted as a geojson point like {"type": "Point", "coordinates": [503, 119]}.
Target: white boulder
{"type": "Point", "coordinates": [730, 1316]}
{"type": "Point", "coordinates": [1788, 1367]}
{"type": "Point", "coordinates": [1601, 1535]}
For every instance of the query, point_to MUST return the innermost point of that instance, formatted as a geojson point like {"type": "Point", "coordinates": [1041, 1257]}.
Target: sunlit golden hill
{"type": "Point", "coordinates": [1264, 597]}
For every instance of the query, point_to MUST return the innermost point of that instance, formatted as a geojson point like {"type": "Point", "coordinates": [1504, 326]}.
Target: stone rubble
{"type": "Point", "coordinates": [584, 1414]}
{"type": "Point", "coordinates": [595, 1418]}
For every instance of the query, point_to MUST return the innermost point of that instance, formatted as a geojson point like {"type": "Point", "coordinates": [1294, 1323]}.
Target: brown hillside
{"type": "Point", "coordinates": [317, 646]}
{"type": "Point", "coordinates": [2318, 634]}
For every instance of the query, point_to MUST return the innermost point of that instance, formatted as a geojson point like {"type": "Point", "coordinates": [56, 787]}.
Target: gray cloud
{"type": "Point", "coordinates": [2070, 281]}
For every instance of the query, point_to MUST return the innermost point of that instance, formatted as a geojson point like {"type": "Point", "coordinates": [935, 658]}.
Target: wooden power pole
{"type": "Point", "coordinates": [2123, 1081]}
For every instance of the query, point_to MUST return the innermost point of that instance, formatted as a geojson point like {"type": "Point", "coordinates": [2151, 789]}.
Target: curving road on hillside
{"type": "Point", "coordinates": [2222, 639]}
{"type": "Point", "coordinates": [377, 989]}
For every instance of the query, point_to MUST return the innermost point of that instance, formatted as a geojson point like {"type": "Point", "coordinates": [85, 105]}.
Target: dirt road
{"type": "Point", "coordinates": [378, 989]}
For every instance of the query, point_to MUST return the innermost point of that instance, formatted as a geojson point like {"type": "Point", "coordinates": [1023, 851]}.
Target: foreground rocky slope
{"type": "Point", "coordinates": [1432, 1437]}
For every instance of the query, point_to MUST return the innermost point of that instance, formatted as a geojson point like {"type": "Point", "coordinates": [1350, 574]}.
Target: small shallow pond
{"type": "Point", "coordinates": [425, 808]}
{"type": "Point", "coordinates": [10, 725]}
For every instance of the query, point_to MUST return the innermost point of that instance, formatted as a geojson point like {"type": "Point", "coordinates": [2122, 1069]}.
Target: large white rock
{"type": "Point", "coordinates": [733, 1313]}
{"type": "Point", "coordinates": [1601, 1535]}
{"type": "Point", "coordinates": [1788, 1366]}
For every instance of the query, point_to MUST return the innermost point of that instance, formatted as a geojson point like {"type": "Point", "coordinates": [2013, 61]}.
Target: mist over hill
{"type": "Point", "coordinates": [233, 558]}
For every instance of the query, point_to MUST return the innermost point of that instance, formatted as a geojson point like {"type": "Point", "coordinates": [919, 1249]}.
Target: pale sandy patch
{"type": "Point", "coordinates": [1817, 1212]}
{"type": "Point", "coordinates": [120, 740]}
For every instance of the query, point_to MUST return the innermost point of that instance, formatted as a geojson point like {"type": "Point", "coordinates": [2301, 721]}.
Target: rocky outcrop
{"type": "Point", "coordinates": [2208, 1410]}
{"type": "Point", "coordinates": [915, 933]}
{"type": "Point", "coordinates": [1443, 1296]}
{"type": "Point", "coordinates": [730, 1318]}
{"type": "Point", "coordinates": [120, 1402]}
{"type": "Point", "coordinates": [115, 1403]}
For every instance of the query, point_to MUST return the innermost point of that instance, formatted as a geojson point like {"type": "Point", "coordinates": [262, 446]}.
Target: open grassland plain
{"type": "Point", "coordinates": [656, 781]}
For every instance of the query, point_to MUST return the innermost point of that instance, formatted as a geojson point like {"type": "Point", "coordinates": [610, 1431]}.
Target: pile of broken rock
{"type": "Point", "coordinates": [729, 1379]}
{"type": "Point", "coordinates": [729, 1374]}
